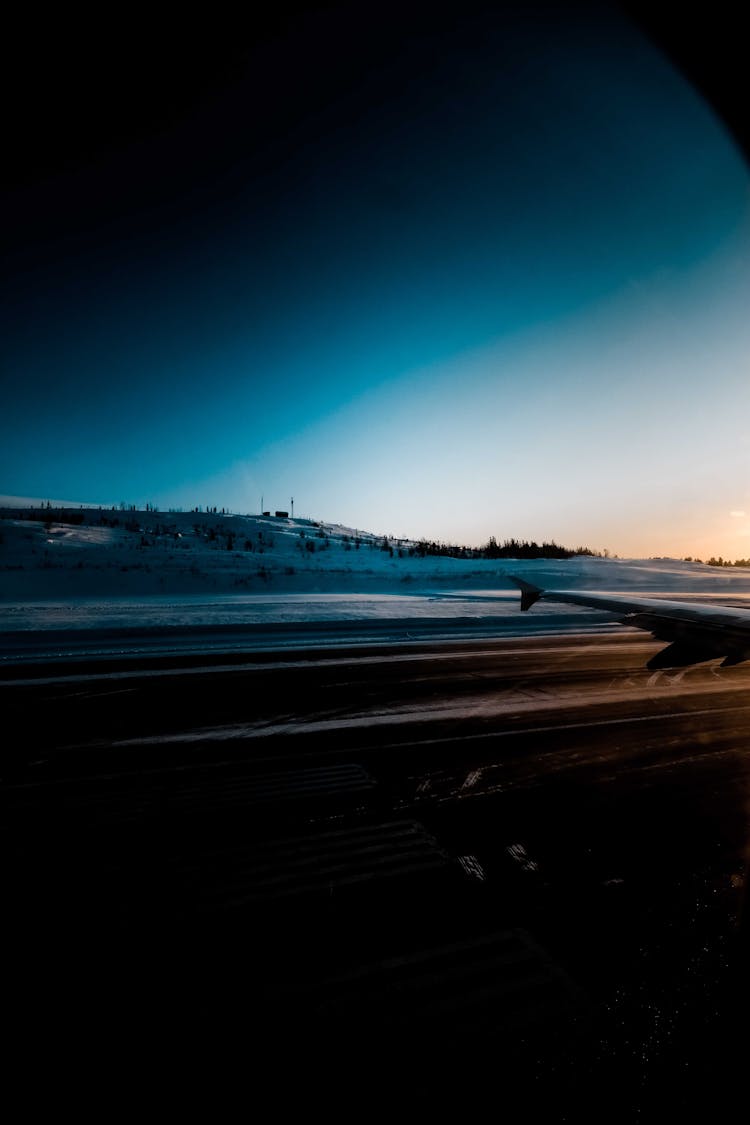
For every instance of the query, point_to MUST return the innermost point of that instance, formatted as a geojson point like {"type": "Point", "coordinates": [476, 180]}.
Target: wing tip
{"type": "Point", "coordinates": [529, 592]}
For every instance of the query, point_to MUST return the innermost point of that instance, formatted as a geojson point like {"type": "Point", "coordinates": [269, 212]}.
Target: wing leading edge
{"type": "Point", "coordinates": [695, 632]}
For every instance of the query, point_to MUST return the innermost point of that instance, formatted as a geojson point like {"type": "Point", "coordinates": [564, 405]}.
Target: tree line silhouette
{"type": "Point", "coordinates": [508, 549]}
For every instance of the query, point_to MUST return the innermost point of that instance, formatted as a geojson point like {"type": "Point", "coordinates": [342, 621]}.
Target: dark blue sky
{"type": "Point", "coordinates": [332, 256]}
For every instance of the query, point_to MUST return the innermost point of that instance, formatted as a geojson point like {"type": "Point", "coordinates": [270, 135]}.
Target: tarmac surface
{"type": "Point", "coordinates": [426, 874]}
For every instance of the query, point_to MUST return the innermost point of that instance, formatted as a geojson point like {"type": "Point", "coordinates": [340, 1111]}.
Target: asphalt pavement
{"type": "Point", "coordinates": [521, 860]}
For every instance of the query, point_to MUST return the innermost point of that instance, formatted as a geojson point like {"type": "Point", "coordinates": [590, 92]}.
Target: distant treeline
{"type": "Point", "coordinates": [721, 562]}
{"type": "Point", "coordinates": [508, 549]}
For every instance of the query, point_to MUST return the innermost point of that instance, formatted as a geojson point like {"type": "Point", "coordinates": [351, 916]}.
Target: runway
{"type": "Point", "coordinates": [434, 823]}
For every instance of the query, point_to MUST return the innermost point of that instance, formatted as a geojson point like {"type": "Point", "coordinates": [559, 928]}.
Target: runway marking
{"type": "Point", "coordinates": [251, 731]}
{"type": "Point", "coordinates": [552, 728]}
{"type": "Point", "coordinates": [626, 644]}
{"type": "Point", "coordinates": [472, 866]}
{"type": "Point", "coordinates": [518, 853]}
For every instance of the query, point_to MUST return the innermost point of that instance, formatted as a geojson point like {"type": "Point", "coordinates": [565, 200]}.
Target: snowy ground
{"type": "Point", "coordinates": [151, 569]}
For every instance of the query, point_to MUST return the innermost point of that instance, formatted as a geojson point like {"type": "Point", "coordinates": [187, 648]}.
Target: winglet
{"type": "Point", "coordinates": [529, 593]}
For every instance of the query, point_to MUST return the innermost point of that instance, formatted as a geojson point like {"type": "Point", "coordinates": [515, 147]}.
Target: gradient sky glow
{"type": "Point", "coordinates": [480, 275]}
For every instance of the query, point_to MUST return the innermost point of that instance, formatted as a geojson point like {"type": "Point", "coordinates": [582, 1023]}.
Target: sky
{"type": "Point", "coordinates": [430, 273]}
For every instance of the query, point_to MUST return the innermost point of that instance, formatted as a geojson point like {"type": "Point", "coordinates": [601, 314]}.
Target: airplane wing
{"type": "Point", "coordinates": [695, 632]}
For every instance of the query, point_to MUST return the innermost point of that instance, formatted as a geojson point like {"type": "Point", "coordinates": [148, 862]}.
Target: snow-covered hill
{"type": "Point", "coordinates": [106, 553]}
{"type": "Point", "coordinates": [135, 552]}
